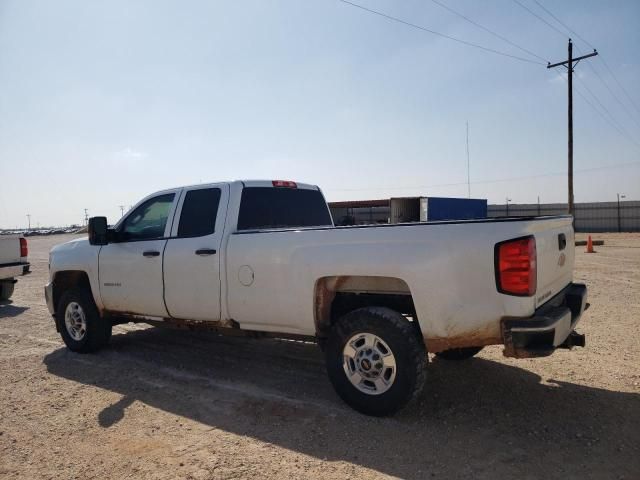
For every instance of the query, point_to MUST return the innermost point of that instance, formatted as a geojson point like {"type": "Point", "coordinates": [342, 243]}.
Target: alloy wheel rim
{"type": "Point", "coordinates": [369, 363]}
{"type": "Point", "coordinates": [75, 321]}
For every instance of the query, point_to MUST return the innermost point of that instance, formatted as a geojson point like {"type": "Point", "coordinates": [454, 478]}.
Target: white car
{"type": "Point", "coordinates": [263, 257]}
{"type": "Point", "coordinates": [13, 263]}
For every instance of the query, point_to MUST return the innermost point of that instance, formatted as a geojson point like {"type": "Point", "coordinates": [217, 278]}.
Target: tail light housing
{"type": "Point", "coordinates": [515, 263]}
{"type": "Point", "coordinates": [24, 249]}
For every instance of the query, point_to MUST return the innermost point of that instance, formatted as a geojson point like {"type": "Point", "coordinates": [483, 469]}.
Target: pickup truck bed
{"type": "Point", "coordinates": [453, 292]}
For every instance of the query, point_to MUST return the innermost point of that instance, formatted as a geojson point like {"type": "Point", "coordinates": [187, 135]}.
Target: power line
{"type": "Point", "coordinates": [488, 30]}
{"type": "Point", "coordinates": [614, 95]}
{"type": "Point", "coordinates": [620, 85]}
{"type": "Point", "coordinates": [464, 42]}
{"type": "Point", "coordinates": [433, 32]}
{"type": "Point", "coordinates": [623, 133]}
{"type": "Point", "coordinates": [613, 122]}
{"type": "Point", "coordinates": [597, 110]}
{"type": "Point", "coordinates": [540, 18]}
{"type": "Point", "coordinates": [484, 182]}
{"type": "Point", "coordinates": [563, 24]}
{"type": "Point", "coordinates": [570, 30]}
{"type": "Point", "coordinates": [595, 99]}
{"type": "Point", "coordinates": [606, 110]}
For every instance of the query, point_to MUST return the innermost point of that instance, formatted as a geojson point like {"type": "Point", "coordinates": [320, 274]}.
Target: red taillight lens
{"type": "Point", "coordinates": [24, 249]}
{"type": "Point", "coordinates": [284, 183]}
{"type": "Point", "coordinates": [516, 267]}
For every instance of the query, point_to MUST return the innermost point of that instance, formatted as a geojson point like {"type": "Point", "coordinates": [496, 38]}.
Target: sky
{"type": "Point", "coordinates": [102, 103]}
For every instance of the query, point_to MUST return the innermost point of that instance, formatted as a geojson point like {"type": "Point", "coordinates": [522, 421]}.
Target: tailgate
{"type": "Point", "coordinates": [555, 248]}
{"type": "Point", "coordinates": [9, 249]}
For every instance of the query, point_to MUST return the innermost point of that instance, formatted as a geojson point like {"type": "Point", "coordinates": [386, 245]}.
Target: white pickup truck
{"type": "Point", "coordinates": [13, 263]}
{"type": "Point", "coordinates": [263, 258]}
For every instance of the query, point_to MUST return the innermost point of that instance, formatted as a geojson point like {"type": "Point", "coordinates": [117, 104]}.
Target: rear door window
{"type": "Point", "coordinates": [267, 207]}
{"type": "Point", "coordinates": [199, 211]}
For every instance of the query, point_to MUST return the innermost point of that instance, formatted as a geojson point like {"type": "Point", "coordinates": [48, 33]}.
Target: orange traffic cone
{"type": "Point", "coordinates": [590, 245]}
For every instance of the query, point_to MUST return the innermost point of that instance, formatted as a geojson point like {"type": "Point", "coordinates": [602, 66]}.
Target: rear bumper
{"type": "Point", "coordinates": [12, 270]}
{"type": "Point", "coordinates": [551, 327]}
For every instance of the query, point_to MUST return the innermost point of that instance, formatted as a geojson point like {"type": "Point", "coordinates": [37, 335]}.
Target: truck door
{"type": "Point", "coordinates": [192, 255]}
{"type": "Point", "coordinates": [130, 267]}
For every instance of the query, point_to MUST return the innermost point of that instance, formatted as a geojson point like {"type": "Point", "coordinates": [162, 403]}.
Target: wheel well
{"type": "Point", "coordinates": [339, 295]}
{"type": "Point", "coordinates": [65, 280]}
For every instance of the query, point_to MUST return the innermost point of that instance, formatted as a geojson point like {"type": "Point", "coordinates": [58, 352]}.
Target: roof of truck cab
{"type": "Point", "coordinates": [253, 183]}
{"type": "Point", "coordinates": [269, 183]}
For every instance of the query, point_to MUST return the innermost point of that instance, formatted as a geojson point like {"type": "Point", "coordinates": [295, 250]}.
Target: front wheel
{"type": "Point", "coordinates": [81, 326]}
{"type": "Point", "coordinates": [375, 360]}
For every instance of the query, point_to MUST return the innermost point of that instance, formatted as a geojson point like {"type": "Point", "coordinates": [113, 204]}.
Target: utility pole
{"type": "Point", "coordinates": [29, 219]}
{"type": "Point", "coordinates": [507, 200]}
{"type": "Point", "coordinates": [86, 217]}
{"type": "Point", "coordinates": [570, 65]}
{"type": "Point", "coordinates": [468, 174]}
{"type": "Point", "coordinates": [122, 210]}
{"type": "Point", "coordinates": [538, 205]}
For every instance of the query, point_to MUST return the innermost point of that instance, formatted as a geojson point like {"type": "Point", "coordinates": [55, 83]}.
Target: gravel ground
{"type": "Point", "coordinates": [171, 404]}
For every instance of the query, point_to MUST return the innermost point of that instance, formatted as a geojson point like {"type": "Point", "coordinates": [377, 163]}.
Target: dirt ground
{"type": "Point", "coordinates": [172, 404]}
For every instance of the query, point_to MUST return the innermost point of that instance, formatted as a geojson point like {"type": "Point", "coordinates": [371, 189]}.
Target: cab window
{"type": "Point", "coordinates": [266, 207]}
{"type": "Point", "coordinates": [147, 221]}
{"type": "Point", "coordinates": [199, 211]}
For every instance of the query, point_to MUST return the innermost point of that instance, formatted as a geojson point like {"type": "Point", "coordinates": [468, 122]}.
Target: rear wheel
{"type": "Point", "coordinates": [79, 322]}
{"type": "Point", "coordinates": [6, 290]}
{"type": "Point", "coordinates": [375, 360]}
{"type": "Point", "coordinates": [458, 353]}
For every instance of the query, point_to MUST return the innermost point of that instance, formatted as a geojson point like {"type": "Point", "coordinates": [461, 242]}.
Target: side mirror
{"type": "Point", "coordinates": [97, 230]}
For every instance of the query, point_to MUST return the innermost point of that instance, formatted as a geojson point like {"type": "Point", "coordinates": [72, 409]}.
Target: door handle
{"type": "Point", "coordinates": [206, 251]}
{"type": "Point", "coordinates": [151, 253]}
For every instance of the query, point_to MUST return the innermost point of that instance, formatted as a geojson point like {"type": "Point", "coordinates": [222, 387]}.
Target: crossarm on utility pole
{"type": "Point", "coordinates": [551, 65]}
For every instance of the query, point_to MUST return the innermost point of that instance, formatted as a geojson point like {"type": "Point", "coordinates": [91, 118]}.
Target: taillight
{"type": "Point", "coordinates": [516, 266]}
{"type": "Point", "coordinates": [284, 183]}
{"type": "Point", "coordinates": [24, 249]}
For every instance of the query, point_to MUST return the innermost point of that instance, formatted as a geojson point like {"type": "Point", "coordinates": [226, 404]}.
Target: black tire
{"type": "Point", "coordinates": [458, 353]}
{"type": "Point", "coordinates": [6, 290]}
{"type": "Point", "coordinates": [405, 344]}
{"type": "Point", "coordinates": [98, 330]}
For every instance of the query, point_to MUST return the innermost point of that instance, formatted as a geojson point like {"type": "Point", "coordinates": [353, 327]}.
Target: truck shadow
{"type": "Point", "coordinates": [8, 310]}
{"type": "Point", "coordinates": [476, 419]}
